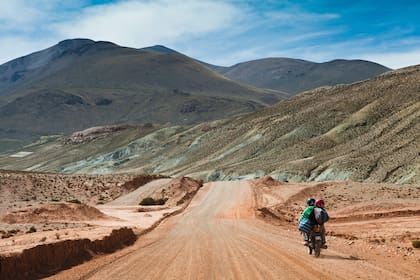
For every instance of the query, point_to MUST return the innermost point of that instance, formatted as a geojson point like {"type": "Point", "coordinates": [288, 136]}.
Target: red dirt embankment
{"type": "Point", "coordinates": [178, 191]}
{"type": "Point", "coordinates": [40, 240]}
{"type": "Point", "coordinates": [53, 213]}
{"type": "Point", "coordinates": [47, 259]}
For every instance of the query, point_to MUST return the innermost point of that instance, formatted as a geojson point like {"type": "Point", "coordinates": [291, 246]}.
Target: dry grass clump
{"type": "Point", "coordinates": [31, 229]}
{"type": "Point", "coordinates": [9, 233]}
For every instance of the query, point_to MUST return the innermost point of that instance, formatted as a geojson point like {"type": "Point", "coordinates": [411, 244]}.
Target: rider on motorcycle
{"type": "Point", "coordinates": [307, 220]}
{"type": "Point", "coordinates": [312, 215]}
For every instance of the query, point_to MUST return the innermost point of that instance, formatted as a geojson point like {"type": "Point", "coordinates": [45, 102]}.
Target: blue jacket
{"type": "Point", "coordinates": [305, 224]}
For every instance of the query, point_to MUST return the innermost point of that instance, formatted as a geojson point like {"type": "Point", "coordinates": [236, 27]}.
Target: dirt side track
{"type": "Point", "coordinates": [219, 237]}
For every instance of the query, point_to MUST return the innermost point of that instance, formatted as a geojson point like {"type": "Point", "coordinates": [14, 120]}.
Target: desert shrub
{"type": "Point", "coordinates": [161, 201]}
{"type": "Point", "coordinates": [147, 201]}
{"type": "Point", "coordinates": [74, 201]}
{"type": "Point", "coordinates": [151, 201]}
{"type": "Point", "coordinates": [416, 243]}
{"type": "Point", "coordinates": [9, 233]}
{"type": "Point", "coordinates": [6, 235]}
{"type": "Point", "coordinates": [31, 229]}
{"type": "Point", "coordinates": [140, 181]}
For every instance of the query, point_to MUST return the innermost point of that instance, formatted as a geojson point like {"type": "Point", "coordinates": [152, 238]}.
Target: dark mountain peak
{"type": "Point", "coordinates": [41, 58]}
{"type": "Point", "coordinates": [269, 62]}
{"type": "Point", "coordinates": [38, 64]}
{"type": "Point", "coordinates": [159, 49]}
{"type": "Point", "coordinates": [96, 47]}
{"type": "Point", "coordinates": [282, 59]}
{"type": "Point", "coordinates": [297, 75]}
{"type": "Point", "coordinates": [81, 46]}
{"type": "Point", "coordinates": [359, 62]}
{"type": "Point", "coordinates": [345, 61]}
{"type": "Point", "coordinates": [71, 44]}
{"type": "Point", "coordinates": [105, 44]}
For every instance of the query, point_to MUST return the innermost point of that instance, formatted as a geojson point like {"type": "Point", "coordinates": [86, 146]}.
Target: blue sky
{"type": "Point", "coordinates": [222, 32]}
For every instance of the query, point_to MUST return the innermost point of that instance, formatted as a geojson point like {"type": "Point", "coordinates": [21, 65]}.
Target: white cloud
{"type": "Point", "coordinates": [132, 23]}
{"type": "Point", "coordinates": [24, 25]}
{"type": "Point", "coordinates": [222, 32]}
{"type": "Point", "coordinates": [23, 15]}
{"type": "Point", "coordinates": [365, 49]}
{"type": "Point", "coordinates": [237, 56]}
{"type": "Point", "coordinates": [394, 60]}
{"type": "Point", "coordinates": [14, 47]}
{"type": "Point", "coordinates": [143, 23]}
{"type": "Point", "coordinates": [17, 15]}
{"type": "Point", "coordinates": [291, 17]}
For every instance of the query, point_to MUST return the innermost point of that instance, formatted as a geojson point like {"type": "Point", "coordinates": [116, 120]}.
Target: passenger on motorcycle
{"type": "Point", "coordinates": [321, 217]}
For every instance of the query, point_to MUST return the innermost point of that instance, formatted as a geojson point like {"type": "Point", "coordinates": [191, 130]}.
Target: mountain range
{"type": "Point", "coordinates": [366, 131]}
{"type": "Point", "coordinates": [292, 75]}
{"type": "Point", "coordinates": [77, 84]}
{"type": "Point", "coordinates": [81, 83]}
{"type": "Point", "coordinates": [295, 75]}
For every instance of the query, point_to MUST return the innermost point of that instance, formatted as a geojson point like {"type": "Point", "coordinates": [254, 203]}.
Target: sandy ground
{"type": "Point", "coordinates": [117, 217]}
{"type": "Point", "coordinates": [221, 236]}
{"type": "Point", "coordinates": [66, 221]}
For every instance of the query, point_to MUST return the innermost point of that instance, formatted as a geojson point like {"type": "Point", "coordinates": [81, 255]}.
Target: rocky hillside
{"type": "Point", "coordinates": [367, 131]}
{"type": "Point", "coordinates": [295, 75]}
{"type": "Point", "coordinates": [81, 83]}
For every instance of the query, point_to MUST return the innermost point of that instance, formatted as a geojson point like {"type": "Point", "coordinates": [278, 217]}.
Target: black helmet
{"type": "Point", "coordinates": [310, 201]}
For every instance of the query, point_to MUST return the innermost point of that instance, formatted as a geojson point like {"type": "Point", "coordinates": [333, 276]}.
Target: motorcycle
{"type": "Point", "coordinates": [315, 241]}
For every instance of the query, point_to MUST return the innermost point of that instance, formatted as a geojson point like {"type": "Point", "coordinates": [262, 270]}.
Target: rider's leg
{"type": "Point", "coordinates": [324, 242]}
{"type": "Point", "coordinates": [305, 238]}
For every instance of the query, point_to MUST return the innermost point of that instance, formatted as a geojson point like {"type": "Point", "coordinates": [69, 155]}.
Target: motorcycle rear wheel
{"type": "Point", "coordinates": [317, 249]}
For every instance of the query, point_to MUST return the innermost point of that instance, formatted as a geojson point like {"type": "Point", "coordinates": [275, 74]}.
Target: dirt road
{"type": "Point", "coordinates": [218, 237]}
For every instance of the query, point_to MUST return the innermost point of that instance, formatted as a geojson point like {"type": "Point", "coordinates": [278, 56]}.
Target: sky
{"type": "Point", "coordinates": [222, 32]}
